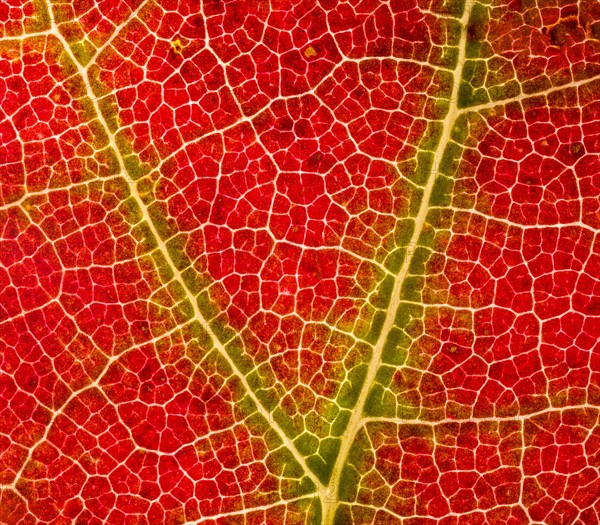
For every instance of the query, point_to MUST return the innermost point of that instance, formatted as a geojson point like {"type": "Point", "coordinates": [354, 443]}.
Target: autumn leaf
{"type": "Point", "coordinates": [300, 262]}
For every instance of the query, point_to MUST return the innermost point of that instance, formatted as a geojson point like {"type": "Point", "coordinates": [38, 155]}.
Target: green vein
{"type": "Point", "coordinates": [177, 274]}
{"type": "Point", "coordinates": [356, 420]}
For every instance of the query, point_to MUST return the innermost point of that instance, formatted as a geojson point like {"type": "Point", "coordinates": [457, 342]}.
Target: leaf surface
{"type": "Point", "coordinates": [309, 262]}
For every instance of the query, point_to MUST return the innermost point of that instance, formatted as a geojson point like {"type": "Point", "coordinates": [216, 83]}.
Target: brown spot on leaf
{"type": "Point", "coordinates": [558, 35]}
{"type": "Point", "coordinates": [577, 149]}
{"type": "Point", "coordinates": [561, 31]}
{"type": "Point", "coordinates": [476, 31]}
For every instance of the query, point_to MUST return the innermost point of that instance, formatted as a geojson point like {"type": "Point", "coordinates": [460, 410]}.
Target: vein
{"type": "Point", "coordinates": [178, 277]}
{"type": "Point", "coordinates": [527, 96]}
{"type": "Point", "coordinates": [117, 30]}
{"type": "Point", "coordinates": [523, 417]}
{"type": "Point", "coordinates": [93, 384]}
{"type": "Point", "coordinates": [356, 420]}
{"type": "Point", "coordinates": [249, 510]}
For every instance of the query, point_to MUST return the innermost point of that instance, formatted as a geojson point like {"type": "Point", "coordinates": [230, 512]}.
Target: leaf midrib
{"type": "Point", "coordinates": [357, 418]}
{"type": "Point", "coordinates": [177, 274]}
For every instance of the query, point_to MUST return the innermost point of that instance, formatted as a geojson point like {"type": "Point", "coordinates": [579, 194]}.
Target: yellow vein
{"type": "Point", "coordinates": [165, 253]}
{"type": "Point", "coordinates": [355, 423]}
{"type": "Point", "coordinates": [528, 96]}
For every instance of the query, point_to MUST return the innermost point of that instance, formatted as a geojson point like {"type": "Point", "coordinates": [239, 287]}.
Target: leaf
{"type": "Point", "coordinates": [310, 262]}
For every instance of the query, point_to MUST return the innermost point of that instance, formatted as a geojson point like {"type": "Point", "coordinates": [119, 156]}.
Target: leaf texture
{"type": "Point", "coordinates": [300, 262]}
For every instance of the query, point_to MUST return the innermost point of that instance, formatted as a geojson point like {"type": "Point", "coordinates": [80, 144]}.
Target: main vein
{"type": "Point", "coordinates": [178, 277]}
{"type": "Point", "coordinates": [356, 420]}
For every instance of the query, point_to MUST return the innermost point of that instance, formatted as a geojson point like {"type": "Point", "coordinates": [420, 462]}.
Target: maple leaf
{"type": "Point", "coordinates": [318, 261]}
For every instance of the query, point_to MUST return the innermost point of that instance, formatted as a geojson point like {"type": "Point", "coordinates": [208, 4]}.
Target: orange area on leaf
{"type": "Point", "coordinates": [310, 52]}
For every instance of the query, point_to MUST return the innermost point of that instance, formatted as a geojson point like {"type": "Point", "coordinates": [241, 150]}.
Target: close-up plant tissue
{"type": "Point", "coordinates": [318, 262]}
